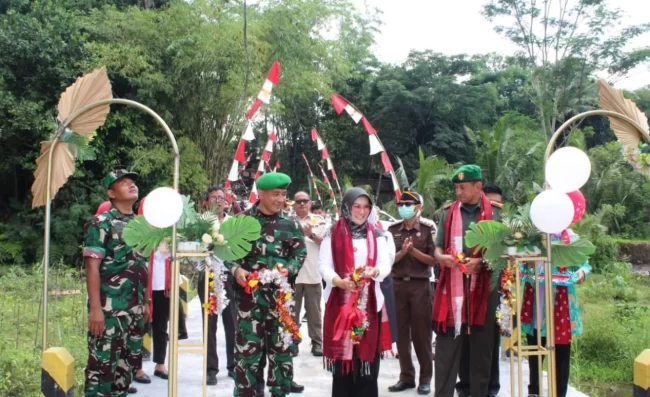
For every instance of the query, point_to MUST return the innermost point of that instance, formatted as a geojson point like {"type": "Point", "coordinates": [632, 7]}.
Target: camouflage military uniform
{"type": "Point", "coordinates": [123, 277]}
{"type": "Point", "coordinates": [282, 242]}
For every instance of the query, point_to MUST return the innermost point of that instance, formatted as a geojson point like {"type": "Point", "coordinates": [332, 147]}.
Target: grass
{"type": "Point", "coordinates": [616, 321]}
{"type": "Point", "coordinates": [21, 331]}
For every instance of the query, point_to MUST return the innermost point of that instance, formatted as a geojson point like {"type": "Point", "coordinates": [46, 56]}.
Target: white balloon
{"type": "Point", "coordinates": [568, 169]}
{"type": "Point", "coordinates": [163, 207]}
{"type": "Point", "coordinates": [552, 211]}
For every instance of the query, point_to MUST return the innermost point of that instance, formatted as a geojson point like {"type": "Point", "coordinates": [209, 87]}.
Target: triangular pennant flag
{"type": "Point", "coordinates": [269, 146]}
{"type": "Point", "coordinates": [369, 128]}
{"type": "Point", "coordinates": [273, 137]}
{"type": "Point", "coordinates": [388, 167]}
{"type": "Point", "coordinates": [339, 103]}
{"type": "Point", "coordinates": [265, 93]}
{"type": "Point", "coordinates": [396, 188]}
{"type": "Point", "coordinates": [253, 196]}
{"type": "Point", "coordinates": [260, 167]}
{"type": "Point", "coordinates": [356, 116]}
{"type": "Point", "coordinates": [266, 155]}
{"type": "Point", "coordinates": [319, 144]}
{"type": "Point", "coordinates": [277, 165]}
{"type": "Point", "coordinates": [330, 166]}
{"type": "Point", "coordinates": [375, 145]}
{"type": "Point", "coordinates": [233, 175]}
{"type": "Point", "coordinates": [240, 154]}
{"type": "Point", "coordinates": [254, 109]}
{"type": "Point", "coordinates": [314, 134]}
{"type": "Point", "coordinates": [248, 134]}
{"type": "Point", "coordinates": [325, 153]}
{"type": "Point", "coordinates": [274, 73]}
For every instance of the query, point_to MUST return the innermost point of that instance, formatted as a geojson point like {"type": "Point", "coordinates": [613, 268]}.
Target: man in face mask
{"type": "Point", "coordinates": [411, 271]}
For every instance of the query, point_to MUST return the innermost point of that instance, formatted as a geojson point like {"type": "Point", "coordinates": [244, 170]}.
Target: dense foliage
{"type": "Point", "coordinates": [198, 64]}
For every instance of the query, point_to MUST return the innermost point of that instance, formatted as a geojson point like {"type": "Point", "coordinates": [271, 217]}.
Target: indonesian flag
{"type": "Point", "coordinates": [272, 79]}
{"type": "Point", "coordinates": [233, 175]}
{"type": "Point", "coordinates": [277, 165]}
{"type": "Point", "coordinates": [253, 196]}
{"type": "Point", "coordinates": [341, 104]}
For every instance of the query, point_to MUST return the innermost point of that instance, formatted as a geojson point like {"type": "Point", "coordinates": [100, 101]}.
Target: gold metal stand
{"type": "Point", "coordinates": [191, 348]}
{"type": "Point", "coordinates": [538, 351]}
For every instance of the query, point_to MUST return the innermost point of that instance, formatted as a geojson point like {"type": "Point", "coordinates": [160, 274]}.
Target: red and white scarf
{"type": "Point", "coordinates": [453, 293]}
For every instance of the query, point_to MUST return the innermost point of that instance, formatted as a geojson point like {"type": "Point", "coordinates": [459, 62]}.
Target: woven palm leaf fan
{"type": "Point", "coordinates": [88, 89]}
{"type": "Point", "coordinates": [613, 100]}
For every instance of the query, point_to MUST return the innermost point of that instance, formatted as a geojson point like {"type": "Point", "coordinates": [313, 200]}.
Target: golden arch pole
{"type": "Point", "coordinates": [173, 307]}
{"type": "Point", "coordinates": [548, 267]}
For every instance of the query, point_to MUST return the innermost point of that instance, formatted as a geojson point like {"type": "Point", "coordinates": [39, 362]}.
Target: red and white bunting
{"type": "Point", "coordinates": [325, 155]}
{"type": "Point", "coordinates": [272, 79]}
{"type": "Point", "coordinates": [340, 104]}
{"type": "Point", "coordinates": [332, 195]}
{"type": "Point", "coordinates": [264, 163]}
{"type": "Point", "coordinates": [313, 178]}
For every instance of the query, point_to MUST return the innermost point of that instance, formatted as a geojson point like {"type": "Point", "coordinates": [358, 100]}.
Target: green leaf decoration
{"type": "Point", "coordinates": [574, 254]}
{"type": "Point", "coordinates": [488, 236]}
{"type": "Point", "coordinates": [189, 214]}
{"type": "Point", "coordinates": [239, 232]}
{"type": "Point", "coordinates": [143, 237]}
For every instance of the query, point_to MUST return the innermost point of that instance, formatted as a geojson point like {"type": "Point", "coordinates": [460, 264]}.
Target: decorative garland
{"type": "Point", "coordinates": [217, 299]}
{"type": "Point", "coordinates": [360, 323]}
{"type": "Point", "coordinates": [289, 330]}
{"type": "Point", "coordinates": [559, 278]}
{"type": "Point", "coordinates": [508, 302]}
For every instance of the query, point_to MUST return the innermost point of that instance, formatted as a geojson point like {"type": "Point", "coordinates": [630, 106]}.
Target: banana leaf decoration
{"type": "Point", "coordinates": [88, 89]}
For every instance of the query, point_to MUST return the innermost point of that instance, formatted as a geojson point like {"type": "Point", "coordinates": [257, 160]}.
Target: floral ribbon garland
{"type": "Point", "coordinates": [639, 157]}
{"type": "Point", "coordinates": [507, 301]}
{"type": "Point", "coordinates": [289, 330]}
{"type": "Point", "coordinates": [217, 299]}
{"type": "Point", "coordinates": [360, 324]}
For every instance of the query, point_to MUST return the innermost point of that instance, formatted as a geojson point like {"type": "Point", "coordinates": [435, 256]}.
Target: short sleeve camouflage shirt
{"type": "Point", "coordinates": [123, 271]}
{"type": "Point", "coordinates": [282, 242]}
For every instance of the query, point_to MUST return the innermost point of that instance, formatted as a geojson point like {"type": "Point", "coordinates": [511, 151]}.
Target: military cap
{"type": "Point", "coordinates": [273, 180]}
{"type": "Point", "coordinates": [409, 194]}
{"type": "Point", "coordinates": [467, 173]}
{"type": "Point", "coordinates": [117, 174]}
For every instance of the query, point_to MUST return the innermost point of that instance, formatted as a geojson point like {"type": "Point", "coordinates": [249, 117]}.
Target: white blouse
{"type": "Point", "coordinates": [326, 264]}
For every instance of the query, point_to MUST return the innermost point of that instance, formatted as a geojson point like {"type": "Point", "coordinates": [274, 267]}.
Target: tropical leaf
{"type": "Point", "coordinates": [613, 100]}
{"type": "Point", "coordinates": [143, 237]}
{"type": "Point", "coordinates": [400, 173]}
{"type": "Point", "coordinates": [89, 88]}
{"type": "Point", "coordinates": [189, 214]}
{"type": "Point", "coordinates": [239, 232]}
{"type": "Point", "coordinates": [574, 254]}
{"type": "Point", "coordinates": [62, 168]}
{"type": "Point", "coordinates": [80, 145]}
{"type": "Point", "coordinates": [488, 236]}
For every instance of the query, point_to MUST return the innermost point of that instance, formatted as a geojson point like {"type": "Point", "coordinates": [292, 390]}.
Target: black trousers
{"type": "Point", "coordinates": [462, 387]}
{"type": "Point", "coordinates": [562, 367]}
{"type": "Point", "coordinates": [229, 322]}
{"type": "Point", "coordinates": [449, 350]}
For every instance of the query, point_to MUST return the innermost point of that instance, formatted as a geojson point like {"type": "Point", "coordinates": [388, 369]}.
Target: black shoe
{"type": "Point", "coordinates": [161, 374]}
{"type": "Point", "coordinates": [294, 350]}
{"type": "Point", "coordinates": [142, 379]}
{"type": "Point", "coordinates": [183, 336]}
{"type": "Point", "coordinates": [132, 390]}
{"type": "Point", "coordinates": [231, 373]}
{"type": "Point", "coordinates": [317, 351]}
{"type": "Point", "coordinates": [424, 389]}
{"type": "Point", "coordinates": [401, 386]}
{"type": "Point", "coordinates": [212, 379]}
{"type": "Point", "coordinates": [296, 388]}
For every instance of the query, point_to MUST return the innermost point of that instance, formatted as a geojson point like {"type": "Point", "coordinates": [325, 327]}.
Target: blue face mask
{"type": "Point", "coordinates": [407, 211]}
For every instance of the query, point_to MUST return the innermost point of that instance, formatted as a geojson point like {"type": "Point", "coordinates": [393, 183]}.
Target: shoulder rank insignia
{"type": "Point", "coordinates": [427, 222]}
{"type": "Point", "coordinates": [496, 204]}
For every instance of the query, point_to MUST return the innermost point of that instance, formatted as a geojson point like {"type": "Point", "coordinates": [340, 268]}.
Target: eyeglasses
{"type": "Point", "coordinates": [302, 202]}
{"type": "Point", "coordinates": [405, 204]}
{"type": "Point", "coordinates": [216, 199]}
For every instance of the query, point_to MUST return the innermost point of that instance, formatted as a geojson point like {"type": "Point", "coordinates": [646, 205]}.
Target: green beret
{"type": "Point", "coordinates": [273, 180]}
{"type": "Point", "coordinates": [467, 173]}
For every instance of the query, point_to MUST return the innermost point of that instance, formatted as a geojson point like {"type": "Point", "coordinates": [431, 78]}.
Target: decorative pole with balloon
{"type": "Point", "coordinates": [562, 204]}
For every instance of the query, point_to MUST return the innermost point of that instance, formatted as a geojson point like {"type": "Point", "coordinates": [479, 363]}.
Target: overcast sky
{"type": "Point", "coordinates": [453, 27]}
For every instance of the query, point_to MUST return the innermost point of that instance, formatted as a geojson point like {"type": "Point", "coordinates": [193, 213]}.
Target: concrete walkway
{"type": "Point", "coordinates": [307, 368]}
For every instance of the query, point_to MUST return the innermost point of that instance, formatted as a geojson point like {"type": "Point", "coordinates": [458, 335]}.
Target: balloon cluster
{"type": "Point", "coordinates": [562, 205]}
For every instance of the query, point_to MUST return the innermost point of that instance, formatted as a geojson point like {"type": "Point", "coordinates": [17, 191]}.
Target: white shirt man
{"type": "Point", "coordinates": [309, 282]}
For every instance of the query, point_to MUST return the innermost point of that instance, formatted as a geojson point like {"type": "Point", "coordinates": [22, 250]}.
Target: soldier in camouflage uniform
{"type": "Point", "coordinates": [282, 243]}
{"type": "Point", "coordinates": [117, 278]}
